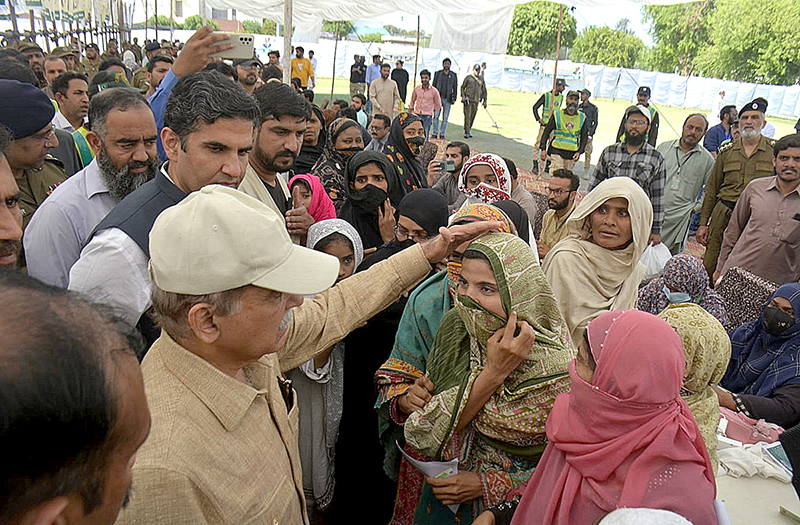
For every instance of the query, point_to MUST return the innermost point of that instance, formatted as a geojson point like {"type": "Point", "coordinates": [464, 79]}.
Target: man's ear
{"type": "Point", "coordinates": [171, 142]}
{"type": "Point", "coordinates": [94, 141]}
{"type": "Point", "coordinates": [201, 321]}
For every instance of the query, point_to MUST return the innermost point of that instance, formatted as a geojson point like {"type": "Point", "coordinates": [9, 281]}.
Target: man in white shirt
{"type": "Point", "coordinates": [209, 127]}
{"type": "Point", "coordinates": [716, 107]}
{"type": "Point", "coordinates": [71, 91]}
{"type": "Point", "coordinates": [313, 60]}
{"type": "Point", "coordinates": [124, 136]}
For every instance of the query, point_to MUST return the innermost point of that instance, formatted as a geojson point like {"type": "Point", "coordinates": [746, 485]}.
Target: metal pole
{"type": "Point", "coordinates": [44, 32]}
{"type": "Point", "coordinates": [13, 14]}
{"type": "Point", "coordinates": [32, 17]}
{"type": "Point", "coordinates": [558, 47]}
{"type": "Point", "coordinates": [155, 15]}
{"type": "Point", "coordinates": [335, 47]}
{"type": "Point", "coordinates": [203, 12]}
{"type": "Point", "coordinates": [416, 58]}
{"type": "Point", "coordinates": [171, 22]}
{"type": "Point", "coordinates": [145, 18]}
{"type": "Point", "coordinates": [121, 20]}
{"type": "Point", "coordinates": [288, 22]}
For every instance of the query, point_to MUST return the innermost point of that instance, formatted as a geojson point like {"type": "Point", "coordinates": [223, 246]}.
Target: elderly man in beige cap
{"type": "Point", "coordinates": [228, 287]}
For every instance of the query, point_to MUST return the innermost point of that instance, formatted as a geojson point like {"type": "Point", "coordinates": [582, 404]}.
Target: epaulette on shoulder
{"type": "Point", "coordinates": [725, 147]}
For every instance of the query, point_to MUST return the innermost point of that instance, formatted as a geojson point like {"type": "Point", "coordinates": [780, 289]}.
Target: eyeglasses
{"type": "Point", "coordinates": [373, 128]}
{"type": "Point", "coordinates": [416, 236]}
{"type": "Point", "coordinates": [638, 122]}
{"type": "Point", "coordinates": [45, 135]}
{"type": "Point", "coordinates": [558, 192]}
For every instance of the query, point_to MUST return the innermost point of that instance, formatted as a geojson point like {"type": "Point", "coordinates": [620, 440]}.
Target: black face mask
{"type": "Point", "coordinates": [415, 143]}
{"type": "Point", "coordinates": [368, 198]}
{"type": "Point", "coordinates": [349, 152]}
{"type": "Point", "coordinates": [776, 320]}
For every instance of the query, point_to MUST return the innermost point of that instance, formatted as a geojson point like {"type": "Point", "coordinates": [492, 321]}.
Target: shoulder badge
{"type": "Point", "coordinates": [725, 147]}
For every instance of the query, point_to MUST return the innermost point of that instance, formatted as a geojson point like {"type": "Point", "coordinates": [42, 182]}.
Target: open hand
{"type": "Point", "coordinates": [197, 51]}
{"type": "Point", "coordinates": [440, 247]}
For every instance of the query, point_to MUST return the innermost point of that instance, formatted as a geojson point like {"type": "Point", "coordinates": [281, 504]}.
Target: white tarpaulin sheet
{"type": "Point", "coordinates": [535, 75]}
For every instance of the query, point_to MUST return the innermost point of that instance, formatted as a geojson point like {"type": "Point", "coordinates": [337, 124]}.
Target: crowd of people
{"type": "Point", "coordinates": [230, 305]}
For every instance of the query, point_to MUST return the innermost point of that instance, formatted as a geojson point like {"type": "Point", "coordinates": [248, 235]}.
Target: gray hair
{"type": "Point", "coordinates": [171, 309]}
{"type": "Point", "coordinates": [121, 98]}
{"type": "Point", "coordinates": [205, 97]}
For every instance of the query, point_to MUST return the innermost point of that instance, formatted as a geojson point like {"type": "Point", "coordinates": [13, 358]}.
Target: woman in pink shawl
{"type": "Point", "coordinates": [311, 194]}
{"type": "Point", "coordinates": [622, 437]}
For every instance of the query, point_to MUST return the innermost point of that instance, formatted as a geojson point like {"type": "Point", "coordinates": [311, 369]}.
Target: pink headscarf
{"type": "Point", "coordinates": [321, 206]}
{"type": "Point", "coordinates": [484, 192]}
{"type": "Point", "coordinates": [627, 439]}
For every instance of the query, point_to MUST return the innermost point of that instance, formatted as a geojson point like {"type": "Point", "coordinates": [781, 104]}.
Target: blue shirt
{"type": "Point", "coordinates": [158, 102]}
{"type": "Point", "coordinates": [373, 72]}
{"type": "Point", "coordinates": [715, 136]}
{"type": "Point", "coordinates": [61, 225]}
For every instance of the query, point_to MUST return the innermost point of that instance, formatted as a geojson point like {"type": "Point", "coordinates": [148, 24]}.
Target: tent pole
{"type": "Point", "coordinates": [155, 17]}
{"type": "Point", "coordinates": [335, 47]}
{"type": "Point", "coordinates": [12, 13]}
{"type": "Point", "coordinates": [145, 19]}
{"type": "Point", "coordinates": [558, 45]}
{"type": "Point", "coordinates": [416, 58]}
{"type": "Point", "coordinates": [202, 12]}
{"type": "Point", "coordinates": [288, 22]}
{"type": "Point", "coordinates": [171, 22]}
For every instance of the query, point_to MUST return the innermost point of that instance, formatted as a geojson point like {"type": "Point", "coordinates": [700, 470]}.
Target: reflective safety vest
{"type": "Point", "coordinates": [85, 151]}
{"type": "Point", "coordinates": [568, 130]}
{"type": "Point", "coordinates": [552, 103]}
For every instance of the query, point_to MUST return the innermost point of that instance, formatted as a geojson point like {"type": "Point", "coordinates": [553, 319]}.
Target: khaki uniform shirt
{"type": "Point", "coordinates": [89, 69]}
{"type": "Point", "coordinates": [733, 171]}
{"type": "Point", "coordinates": [139, 80]}
{"type": "Point", "coordinates": [36, 185]}
{"type": "Point", "coordinates": [763, 236]}
{"type": "Point", "coordinates": [553, 228]}
{"type": "Point", "coordinates": [224, 452]}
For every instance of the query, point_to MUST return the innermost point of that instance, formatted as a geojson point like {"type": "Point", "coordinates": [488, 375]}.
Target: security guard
{"type": "Point", "coordinates": [91, 62]}
{"type": "Point", "coordinates": [139, 80]}
{"type": "Point", "coordinates": [569, 132]}
{"type": "Point", "coordinates": [550, 102]}
{"type": "Point", "coordinates": [738, 162]}
{"type": "Point", "coordinates": [27, 112]}
{"type": "Point", "coordinates": [643, 99]}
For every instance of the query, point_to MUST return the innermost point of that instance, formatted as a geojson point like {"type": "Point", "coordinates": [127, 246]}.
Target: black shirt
{"type": "Point", "coordinates": [590, 110]}
{"type": "Point", "coordinates": [400, 76]}
{"type": "Point", "coordinates": [278, 197]}
{"type": "Point", "coordinates": [358, 73]}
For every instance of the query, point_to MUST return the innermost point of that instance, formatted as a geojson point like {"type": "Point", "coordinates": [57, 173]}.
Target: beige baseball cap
{"type": "Point", "coordinates": [638, 108]}
{"type": "Point", "coordinates": [218, 239]}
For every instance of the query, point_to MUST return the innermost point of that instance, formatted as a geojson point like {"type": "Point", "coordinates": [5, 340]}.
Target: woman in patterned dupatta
{"type": "Point", "coordinates": [421, 318]}
{"type": "Point", "coordinates": [496, 432]}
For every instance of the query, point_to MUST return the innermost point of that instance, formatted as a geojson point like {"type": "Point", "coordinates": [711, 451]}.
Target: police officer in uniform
{"type": "Point", "coordinates": [643, 99]}
{"type": "Point", "coordinates": [91, 62]}
{"type": "Point", "coordinates": [738, 162]}
{"type": "Point", "coordinates": [28, 113]}
{"type": "Point", "coordinates": [139, 80]}
{"type": "Point", "coordinates": [549, 102]}
{"type": "Point", "coordinates": [570, 133]}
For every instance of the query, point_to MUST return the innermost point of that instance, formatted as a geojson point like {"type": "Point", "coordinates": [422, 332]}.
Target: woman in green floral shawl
{"type": "Point", "coordinates": [500, 442]}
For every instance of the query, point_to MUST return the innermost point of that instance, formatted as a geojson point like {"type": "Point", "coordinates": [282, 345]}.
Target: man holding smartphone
{"type": "Point", "coordinates": [445, 176]}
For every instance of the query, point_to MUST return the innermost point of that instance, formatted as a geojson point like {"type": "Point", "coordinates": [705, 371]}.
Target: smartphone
{"type": "Point", "coordinates": [245, 46]}
{"type": "Point", "coordinates": [449, 166]}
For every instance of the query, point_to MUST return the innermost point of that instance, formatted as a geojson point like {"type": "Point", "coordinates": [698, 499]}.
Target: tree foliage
{"type": "Point", "coordinates": [753, 41]}
{"type": "Point", "coordinates": [372, 37]}
{"type": "Point", "coordinates": [679, 33]}
{"type": "Point", "coordinates": [263, 27]}
{"type": "Point", "coordinates": [196, 22]}
{"type": "Point", "coordinates": [534, 29]}
{"type": "Point", "coordinates": [345, 27]}
{"type": "Point", "coordinates": [397, 31]}
{"type": "Point", "coordinates": [163, 22]}
{"type": "Point", "coordinates": [610, 47]}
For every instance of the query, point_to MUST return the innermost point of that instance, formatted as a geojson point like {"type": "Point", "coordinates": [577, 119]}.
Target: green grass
{"type": "Point", "coordinates": [517, 128]}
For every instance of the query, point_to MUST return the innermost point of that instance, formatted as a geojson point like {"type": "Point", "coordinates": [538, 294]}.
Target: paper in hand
{"type": "Point", "coordinates": [434, 469]}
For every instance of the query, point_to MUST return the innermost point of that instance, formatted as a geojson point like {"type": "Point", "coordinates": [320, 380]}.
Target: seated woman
{"type": "Point", "coordinates": [313, 142]}
{"type": "Point", "coordinates": [518, 216]}
{"type": "Point", "coordinates": [311, 194]}
{"type": "Point", "coordinates": [622, 437]}
{"type": "Point", "coordinates": [319, 383]}
{"type": "Point", "coordinates": [406, 137]}
{"type": "Point", "coordinates": [498, 362]}
{"type": "Point", "coordinates": [707, 350]}
{"type": "Point", "coordinates": [763, 377]}
{"type": "Point", "coordinates": [684, 280]}
{"type": "Point", "coordinates": [597, 267]}
{"type": "Point", "coordinates": [367, 206]}
{"type": "Point", "coordinates": [344, 140]}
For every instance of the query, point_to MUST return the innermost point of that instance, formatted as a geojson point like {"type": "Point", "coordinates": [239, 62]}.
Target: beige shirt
{"type": "Point", "coordinates": [553, 229]}
{"type": "Point", "coordinates": [385, 97]}
{"type": "Point", "coordinates": [763, 236]}
{"type": "Point", "coordinates": [522, 197]}
{"type": "Point", "coordinates": [223, 452]}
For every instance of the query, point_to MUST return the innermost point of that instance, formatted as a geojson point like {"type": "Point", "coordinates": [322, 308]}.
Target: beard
{"type": "Point", "coordinates": [250, 79]}
{"type": "Point", "coordinates": [269, 163]}
{"type": "Point", "coordinates": [750, 133]}
{"type": "Point", "coordinates": [572, 107]}
{"type": "Point", "coordinates": [634, 140]}
{"type": "Point", "coordinates": [557, 206]}
{"type": "Point", "coordinates": [120, 181]}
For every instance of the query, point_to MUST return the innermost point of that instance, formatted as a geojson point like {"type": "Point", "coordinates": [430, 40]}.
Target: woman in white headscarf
{"type": "Point", "coordinates": [597, 267]}
{"type": "Point", "coordinates": [319, 382]}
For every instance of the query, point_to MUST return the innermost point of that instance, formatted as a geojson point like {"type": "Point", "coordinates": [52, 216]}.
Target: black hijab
{"type": "Point", "coordinates": [310, 154]}
{"type": "Point", "coordinates": [427, 207]}
{"type": "Point", "coordinates": [361, 206]}
{"type": "Point", "coordinates": [411, 174]}
{"type": "Point", "coordinates": [518, 216]}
